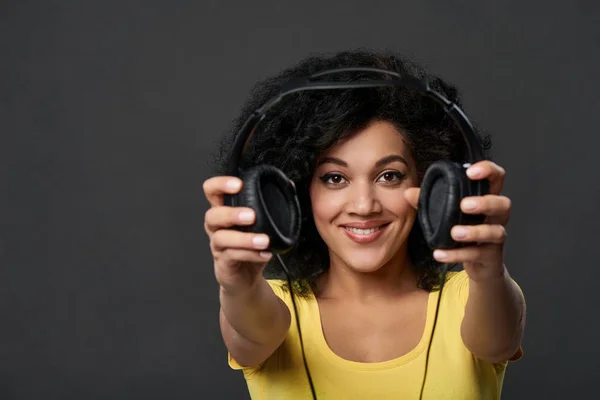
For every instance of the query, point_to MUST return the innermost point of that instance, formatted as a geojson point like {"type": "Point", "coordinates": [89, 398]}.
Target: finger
{"type": "Point", "coordinates": [231, 239]}
{"type": "Point", "coordinates": [479, 233]}
{"type": "Point", "coordinates": [241, 255]}
{"type": "Point", "coordinates": [412, 196]}
{"type": "Point", "coordinates": [470, 254]}
{"type": "Point", "coordinates": [217, 186]}
{"type": "Point", "coordinates": [490, 205]}
{"type": "Point", "coordinates": [488, 170]}
{"type": "Point", "coordinates": [217, 218]}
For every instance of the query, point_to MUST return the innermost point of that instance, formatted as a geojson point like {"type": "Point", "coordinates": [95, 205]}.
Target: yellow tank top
{"type": "Point", "coordinates": [453, 372]}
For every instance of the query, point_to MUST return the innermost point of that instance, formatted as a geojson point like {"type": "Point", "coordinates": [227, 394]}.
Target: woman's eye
{"type": "Point", "coordinates": [333, 179]}
{"type": "Point", "coordinates": [391, 177]}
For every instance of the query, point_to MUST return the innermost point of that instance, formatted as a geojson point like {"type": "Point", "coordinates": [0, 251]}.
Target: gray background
{"type": "Point", "coordinates": [110, 110]}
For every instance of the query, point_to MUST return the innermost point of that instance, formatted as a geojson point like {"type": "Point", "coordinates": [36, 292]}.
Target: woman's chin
{"type": "Point", "coordinates": [365, 268]}
{"type": "Point", "coordinates": [367, 263]}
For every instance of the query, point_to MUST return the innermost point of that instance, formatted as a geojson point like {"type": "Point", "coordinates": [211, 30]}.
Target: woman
{"type": "Point", "coordinates": [365, 282]}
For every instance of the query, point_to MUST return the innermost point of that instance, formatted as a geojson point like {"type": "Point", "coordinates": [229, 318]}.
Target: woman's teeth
{"type": "Point", "coordinates": [362, 231]}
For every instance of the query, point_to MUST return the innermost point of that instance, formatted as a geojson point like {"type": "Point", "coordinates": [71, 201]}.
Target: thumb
{"type": "Point", "coordinates": [412, 196]}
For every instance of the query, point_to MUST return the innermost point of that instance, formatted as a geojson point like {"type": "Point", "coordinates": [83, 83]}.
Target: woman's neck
{"type": "Point", "coordinates": [392, 280]}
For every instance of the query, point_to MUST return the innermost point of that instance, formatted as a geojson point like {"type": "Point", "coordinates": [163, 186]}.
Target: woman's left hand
{"type": "Point", "coordinates": [485, 258]}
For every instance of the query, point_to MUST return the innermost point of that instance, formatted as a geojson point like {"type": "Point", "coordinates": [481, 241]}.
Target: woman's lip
{"type": "Point", "coordinates": [365, 224]}
{"type": "Point", "coordinates": [368, 238]}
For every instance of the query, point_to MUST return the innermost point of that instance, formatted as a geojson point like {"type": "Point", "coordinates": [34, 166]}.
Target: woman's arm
{"type": "Point", "coordinates": [495, 312]}
{"type": "Point", "coordinates": [494, 319]}
{"type": "Point", "coordinates": [253, 323]}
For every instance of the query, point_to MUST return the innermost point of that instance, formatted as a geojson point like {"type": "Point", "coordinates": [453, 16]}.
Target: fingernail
{"type": "Point", "coordinates": [440, 254]}
{"type": "Point", "coordinates": [246, 216]}
{"type": "Point", "coordinates": [233, 184]}
{"type": "Point", "coordinates": [460, 232]}
{"type": "Point", "coordinates": [265, 254]}
{"type": "Point", "coordinates": [260, 241]}
{"type": "Point", "coordinates": [469, 204]}
{"type": "Point", "coordinates": [474, 172]}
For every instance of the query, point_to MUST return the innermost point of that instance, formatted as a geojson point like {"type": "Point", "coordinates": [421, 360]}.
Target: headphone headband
{"type": "Point", "coordinates": [307, 83]}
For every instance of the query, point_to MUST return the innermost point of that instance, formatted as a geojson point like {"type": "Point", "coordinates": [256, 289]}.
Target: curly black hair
{"type": "Point", "coordinates": [306, 124]}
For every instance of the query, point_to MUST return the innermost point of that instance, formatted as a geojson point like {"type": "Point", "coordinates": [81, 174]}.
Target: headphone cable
{"type": "Point", "coordinates": [437, 307]}
{"type": "Point", "coordinates": [289, 280]}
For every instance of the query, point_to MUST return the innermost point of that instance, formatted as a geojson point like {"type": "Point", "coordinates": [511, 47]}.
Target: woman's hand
{"type": "Point", "coordinates": [485, 259]}
{"type": "Point", "coordinates": [239, 257]}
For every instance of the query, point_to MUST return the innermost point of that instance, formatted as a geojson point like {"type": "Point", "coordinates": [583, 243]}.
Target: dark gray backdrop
{"type": "Point", "coordinates": [110, 110]}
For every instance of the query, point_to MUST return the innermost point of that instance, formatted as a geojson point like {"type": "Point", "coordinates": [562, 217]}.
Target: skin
{"type": "Point", "coordinates": [495, 308]}
{"type": "Point", "coordinates": [253, 320]}
{"type": "Point", "coordinates": [360, 190]}
{"type": "Point", "coordinates": [373, 281]}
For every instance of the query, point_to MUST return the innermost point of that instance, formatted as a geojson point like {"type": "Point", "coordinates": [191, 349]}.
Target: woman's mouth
{"type": "Point", "coordinates": [364, 235]}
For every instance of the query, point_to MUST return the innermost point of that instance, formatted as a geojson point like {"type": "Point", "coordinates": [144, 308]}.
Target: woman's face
{"type": "Point", "coordinates": [357, 198]}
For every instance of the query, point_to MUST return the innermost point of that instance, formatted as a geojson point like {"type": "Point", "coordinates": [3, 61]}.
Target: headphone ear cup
{"type": "Point", "coordinates": [272, 196]}
{"type": "Point", "coordinates": [444, 186]}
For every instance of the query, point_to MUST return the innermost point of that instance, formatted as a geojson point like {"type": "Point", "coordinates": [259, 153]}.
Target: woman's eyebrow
{"type": "Point", "coordinates": [389, 159]}
{"type": "Point", "coordinates": [380, 163]}
{"type": "Point", "coordinates": [332, 160]}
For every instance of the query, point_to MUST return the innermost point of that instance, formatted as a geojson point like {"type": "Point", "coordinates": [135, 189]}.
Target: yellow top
{"type": "Point", "coordinates": [453, 371]}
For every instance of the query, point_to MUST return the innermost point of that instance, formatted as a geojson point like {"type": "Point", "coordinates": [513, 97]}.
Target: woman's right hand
{"type": "Point", "coordinates": [239, 257]}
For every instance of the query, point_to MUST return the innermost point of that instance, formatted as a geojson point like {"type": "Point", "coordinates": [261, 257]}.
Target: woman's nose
{"type": "Point", "coordinates": [363, 199]}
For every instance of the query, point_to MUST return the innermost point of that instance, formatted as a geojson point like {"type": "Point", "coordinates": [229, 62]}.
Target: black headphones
{"type": "Point", "coordinates": [273, 197]}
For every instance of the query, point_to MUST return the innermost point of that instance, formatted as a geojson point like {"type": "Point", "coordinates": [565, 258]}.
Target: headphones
{"type": "Point", "coordinates": [273, 197]}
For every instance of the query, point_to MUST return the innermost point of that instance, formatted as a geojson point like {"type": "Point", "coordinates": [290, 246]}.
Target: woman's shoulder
{"type": "Point", "coordinates": [457, 285]}
{"type": "Point", "coordinates": [456, 278]}
{"type": "Point", "coordinates": [278, 284]}
{"type": "Point", "coordinates": [302, 291]}
{"type": "Point", "coordinates": [457, 282]}
{"type": "Point", "coordinates": [281, 287]}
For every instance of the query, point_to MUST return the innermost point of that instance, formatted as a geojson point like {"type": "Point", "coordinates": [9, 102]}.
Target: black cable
{"type": "Point", "coordinates": [437, 307]}
{"type": "Point", "coordinates": [289, 280]}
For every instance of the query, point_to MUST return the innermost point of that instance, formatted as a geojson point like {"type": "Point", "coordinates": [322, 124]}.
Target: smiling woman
{"type": "Point", "coordinates": [358, 205]}
{"type": "Point", "coordinates": [368, 284]}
